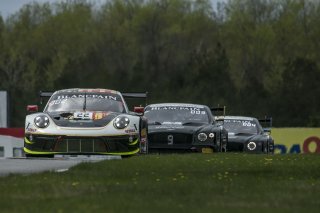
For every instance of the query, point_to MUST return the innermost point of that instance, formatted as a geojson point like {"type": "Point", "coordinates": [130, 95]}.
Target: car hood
{"type": "Point", "coordinates": [93, 118]}
{"type": "Point", "coordinates": [242, 138]}
{"type": "Point", "coordinates": [179, 128]}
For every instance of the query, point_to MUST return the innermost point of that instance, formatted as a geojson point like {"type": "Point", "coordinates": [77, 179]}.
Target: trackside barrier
{"type": "Point", "coordinates": [11, 142]}
{"type": "Point", "coordinates": [296, 140]}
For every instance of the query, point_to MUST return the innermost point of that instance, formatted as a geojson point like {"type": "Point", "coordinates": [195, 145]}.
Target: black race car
{"type": "Point", "coordinates": [245, 134]}
{"type": "Point", "coordinates": [178, 127]}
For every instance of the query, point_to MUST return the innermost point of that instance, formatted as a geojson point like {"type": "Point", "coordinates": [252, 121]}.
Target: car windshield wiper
{"type": "Point", "coordinates": [85, 102]}
{"type": "Point", "coordinates": [155, 123]}
{"type": "Point", "coordinates": [244, 133]}
{"type": "Point", "coordinates": [192, 122]}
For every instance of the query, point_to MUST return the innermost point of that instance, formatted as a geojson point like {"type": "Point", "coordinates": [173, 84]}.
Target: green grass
{"type": "Point", "coordinates": [172, 183]}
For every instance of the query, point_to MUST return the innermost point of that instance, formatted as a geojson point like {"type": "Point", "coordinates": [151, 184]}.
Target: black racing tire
{"type": "Point", "coordinates": [143, 124]}
{"type": "Point", "coordinates": [126, 156]}
{"type": "Point", "coordinates": [39, 156]}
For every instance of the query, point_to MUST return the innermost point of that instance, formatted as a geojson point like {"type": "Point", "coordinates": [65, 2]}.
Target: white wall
{"type": "Point", "coordinates": [3, 109]}
{"type": "Point", "coordinates": [13, 147]}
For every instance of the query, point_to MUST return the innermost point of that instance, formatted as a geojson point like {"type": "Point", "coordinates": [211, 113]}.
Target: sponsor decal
{"type": "Point", "coordinates": [144, 132]}
{"type": "Point", "coordinates": [98, 96]}
{"type": "Point", "coordinates": [99, 115]}
{"type": "Point", "coordinates": [62, 98]}
{"type": "Point", "coordinates": [296, 140]}
{"type": "Point", "coordinates": [309, 145]}
{"type": "Point", "coordinates": [309, 142]}
{"type": "Point", "coordinates": [245, 123]}
{"type": "Point", "coordinates": [31, 130]}
{"type": "Point", "coordinates": [193, 110]}
{"type": "Point", "coordinates": [130, 131]}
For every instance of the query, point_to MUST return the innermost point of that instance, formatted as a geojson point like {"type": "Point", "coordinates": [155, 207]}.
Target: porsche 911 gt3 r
{"type": "Point", "coordinates": [177, 127]}
{"type": "Point", "coordinates": [84, 121]}
{"type": "Point", "coordinates": [245, 134]}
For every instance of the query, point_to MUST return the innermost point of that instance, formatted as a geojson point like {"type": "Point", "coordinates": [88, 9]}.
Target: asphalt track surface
{"type": "Point", "coordinates": [27, 166]}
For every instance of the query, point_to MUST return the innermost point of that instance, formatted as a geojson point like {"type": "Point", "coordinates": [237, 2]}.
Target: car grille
{"type": "Point", "coordinates": [235, 146]}
{"type": "Point", "coordinates": [170, 138]}
{"type": "Point", "coordinates": [81, 144]}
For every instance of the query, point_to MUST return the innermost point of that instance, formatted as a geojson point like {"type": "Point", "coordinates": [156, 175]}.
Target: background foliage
{"type": "Point", "coordinates": [257, 57]}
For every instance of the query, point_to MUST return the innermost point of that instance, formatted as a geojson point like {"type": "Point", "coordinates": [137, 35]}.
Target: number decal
{"type": "Point", "coordinates": [83, 115]}
{"type": "Point", "coordinates": [170, 139]}
{"type": "Point", "coordinates": [248, 124]}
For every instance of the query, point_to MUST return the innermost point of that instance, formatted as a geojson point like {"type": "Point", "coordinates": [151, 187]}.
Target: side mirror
{"type": "Point", "coordinates": [32, 108]}
{"type": "Point", "coordinates": [219, 118]}
{"type": "Point", "coordinates": [139, 110]}
{"type": "Point", "coordinates": [267, 130]}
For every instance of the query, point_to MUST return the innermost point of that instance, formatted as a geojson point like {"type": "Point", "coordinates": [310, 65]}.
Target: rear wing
{"type": "Point", "coordinates": [266, 123]}
{"type": "Point", "coordinates": [219, 118]}
{"type": "Point", "coordinates": [135, 95]}
{"type": "Point", "coordinates": [218, 109]}
{"type": "Point", "coordinates": [45, 94]}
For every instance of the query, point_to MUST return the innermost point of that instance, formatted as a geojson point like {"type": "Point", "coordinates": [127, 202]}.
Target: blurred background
{"type": "Point", "coordinates": [256, 57]}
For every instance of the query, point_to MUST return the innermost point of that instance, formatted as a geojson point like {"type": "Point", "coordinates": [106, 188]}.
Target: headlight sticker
{"type": "Point", "coordinates": [121, 122]}
{"type": "Point", "coordinates": [211, 135]}
{"type": "Point", "coordinates": [252, 145]}
{"type": "Point", "coordinates": [202, 136]}
{"type": "Point", "coordinates": [130, 131]}
{"type": "Point", "coordinates": [41, 121]}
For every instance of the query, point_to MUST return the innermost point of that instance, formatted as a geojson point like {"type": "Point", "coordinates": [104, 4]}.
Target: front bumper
{"type": "Point", "coordinates": [260, 147]}
{"type": "Point", "coordinates": [60, 144]}
{"type": "Point", "coordinates": [179, 142]}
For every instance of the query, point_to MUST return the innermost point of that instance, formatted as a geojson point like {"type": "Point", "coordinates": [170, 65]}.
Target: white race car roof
{"type": "Point", "coordinates": [176, 105]}
{"type": "Point", "coordinates": [89, 90]}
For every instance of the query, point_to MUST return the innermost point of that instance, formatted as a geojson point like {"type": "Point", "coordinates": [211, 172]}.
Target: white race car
{"type": "Point", "coordinates": [85, 121]}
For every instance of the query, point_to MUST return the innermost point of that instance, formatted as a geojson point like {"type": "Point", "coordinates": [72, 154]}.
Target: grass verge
{"type": "Point", "coordinates": [224, 182]}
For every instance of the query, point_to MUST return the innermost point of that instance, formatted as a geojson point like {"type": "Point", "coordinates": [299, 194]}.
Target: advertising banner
{"type": "Point", "coordinates": [296, 140]}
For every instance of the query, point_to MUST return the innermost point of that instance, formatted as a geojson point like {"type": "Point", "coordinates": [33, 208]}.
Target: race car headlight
{"type": "Point", "coordinates": [252, 145]}
{"type": "Point", "coordinates": [202, 136]}
{"type": "Point", "coordinates": [121, 122]}
{"type": "Point", "coordinates": [41, 121]}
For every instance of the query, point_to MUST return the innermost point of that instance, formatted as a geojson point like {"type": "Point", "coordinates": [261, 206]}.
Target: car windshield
{"type": "Point", "coordinates": [62, 102]}
{"type": "Point", "coordinates": [176, 114]}
{"type": "Point", "coordinates": [241, 126]}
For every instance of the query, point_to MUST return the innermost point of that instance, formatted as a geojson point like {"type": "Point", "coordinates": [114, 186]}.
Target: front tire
{"type": "Point", "coordinates": [39, 156]}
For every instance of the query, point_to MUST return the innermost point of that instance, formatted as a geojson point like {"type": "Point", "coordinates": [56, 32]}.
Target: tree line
{"type": "Point", "coordinates": [256, 57]}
